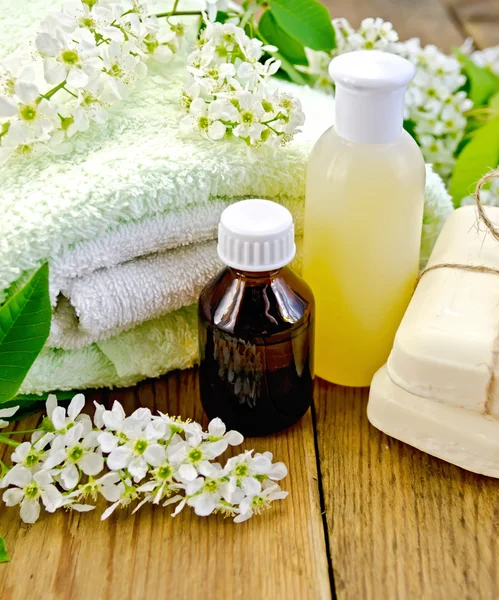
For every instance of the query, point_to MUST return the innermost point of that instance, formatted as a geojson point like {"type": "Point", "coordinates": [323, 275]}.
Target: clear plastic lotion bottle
{"type": "Point", "coordinates": [363, 218]}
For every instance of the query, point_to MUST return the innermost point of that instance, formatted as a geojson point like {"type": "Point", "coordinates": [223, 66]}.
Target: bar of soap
{"type": "Point", "coordinates": [463, 437]}
{"type": "Point", "coordinates": [439, 390]}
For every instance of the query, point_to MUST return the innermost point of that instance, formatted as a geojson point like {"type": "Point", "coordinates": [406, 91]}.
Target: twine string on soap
{"type": "Point", "coordinates": [491, 385]}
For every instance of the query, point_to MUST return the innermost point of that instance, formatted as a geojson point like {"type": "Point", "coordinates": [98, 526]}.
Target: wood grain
{"type": "Point", "coordinates": [153, 556]}
{"type": "Point", "coordinates": [401, 524]}
{"type": "Point", "coordinates": [427, 19]}
{"type": "Point", "coordinates": [479, 19]}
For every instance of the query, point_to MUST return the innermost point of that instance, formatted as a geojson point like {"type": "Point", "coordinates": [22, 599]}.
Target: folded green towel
{"type": "Point", "coordinates": [149, 350]}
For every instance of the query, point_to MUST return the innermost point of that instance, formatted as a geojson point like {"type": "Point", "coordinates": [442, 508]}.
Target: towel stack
{"type": "Point", "coordinates": [128, 224]}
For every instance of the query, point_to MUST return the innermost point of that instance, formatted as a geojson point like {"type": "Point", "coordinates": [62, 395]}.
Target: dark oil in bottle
{"type": "Point", "coordinates": [256, 346]}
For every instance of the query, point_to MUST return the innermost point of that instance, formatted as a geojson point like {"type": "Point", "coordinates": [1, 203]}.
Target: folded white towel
{"type": "Point", "coordinates": [109, 301]}
{"type": "Point", "coordinates": [149, 235]}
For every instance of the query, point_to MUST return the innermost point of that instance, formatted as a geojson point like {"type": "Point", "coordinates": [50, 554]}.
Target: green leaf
{"type": "Point", "coordinates": [477, 157]}
{"type": "Point", "coordinates": [482, 82]}
{"type": "Point", "coordinates": [494, 101]}
{"type": "Point", "coordinates": [24, 327]}
{"type": "Point", "coordinates": [307, 21]}
{"type": "Point", "coordinates": [275, 35]}
{"type": "Point", "coordinates": [292, 74]}
{"type": "Point", "coordinates": [4, 557]}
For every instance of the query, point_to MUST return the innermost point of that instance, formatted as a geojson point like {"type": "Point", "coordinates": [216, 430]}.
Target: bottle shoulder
{"type": "Point", "coordinates": [334, 156]}
{"type": "Point", "coordinates": [255, 306]}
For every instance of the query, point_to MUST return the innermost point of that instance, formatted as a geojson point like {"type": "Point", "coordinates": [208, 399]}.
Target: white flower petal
{"type": "Point", "coordinates": [278, 471]}
{"type": "Point", "coordinates": [155, 455]}
{"type": "Point", "coordinates": [119, 458]}
{"type": "Point", "coordinates": [107, 441]}
{"type": "Point", "coordinates": [204, 505]}
{"type": "Point", "coordinates": [187, 473]}
{"type": "Point", "coordinates": [30, 511]}
{"type": "Point", "coordinates": [251, 486]}
{"type": "Point", "coordinates": [261, 464]}
{"type": "Point", "coordinates": [109, 511]}
{"type": "Point", "coordinates": [43, 478]}
{"type": "Point", "coordinates": [54, 459]}
{"type": "Point", "coordinates": [8, 412]}
{"type": "Point", "coordinates": [47, 44]}
{"type": "Point", "coordinates": [69, 477]}
{"type": "Point", "coordinates": [179, 508]}
{"type": "Point", "coordinates": [13, 496]}
{"type": "Point", "coordinates": [54, 71]}
{"type": "Point", "coordinates": [77, 78]}
{"type": "Point", "coordinates": [216, 427]}
{"type": "Point", "coordinates": [243, 517]}
{"type": "Point", "coordinates": [59, 418]}
{"type": "Point", "coordinates": [91, 463]}
{"type": "Point", "coordinates": [7, 107]}
{"type": "Point", "coordinates": [110, 492]}
{"type": "Point", "coordinates": [82, 507]}
{"type": "Point", "coordinates": [214, 449]}
{"type": "Point", "coordinates": [21, 452]}
{"type": "Point", "coordinates": [51, 405]}
{"type": "Point", "coordinates": [194, 486]}
{"type": "Point", "coordinates": [234, 437]}
{"type": "Point", "coordinates": [26, 92]}
{"type": "Point", "coordinates": [51, 497]}
{"type": "Point", "coordinates": [138, 468]}
{"type": "Point", "coordinates": [19, 475]}
{"type": "Point", "coordinates": [76, 406]}
{"type": "Point", "coordinates": [278, 495]}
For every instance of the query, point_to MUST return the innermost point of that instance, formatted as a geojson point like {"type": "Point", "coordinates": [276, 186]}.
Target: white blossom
{"type": "Point", "coordinates": [28, 489]}
{"type": "Point", "coordinates": [72, 58]}
{"type": "Point", "coordinates": [255, 503]}
{"type": "Point", "coordinates": [74, 451]}
{"type": "Point", "coordinates": [227, 95]}
{"type": "Point", "coordinates": [138, 459]}
{"type": "Point", "coordinates": [488, 58]}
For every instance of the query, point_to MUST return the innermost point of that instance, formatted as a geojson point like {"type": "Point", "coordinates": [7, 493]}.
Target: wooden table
{"type": "Point", "coordinates": [367, 516]}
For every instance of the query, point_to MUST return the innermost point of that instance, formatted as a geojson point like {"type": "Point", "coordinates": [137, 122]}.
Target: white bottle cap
{"type": "Point", "coordinates": [370, 95]}
{"type": "Point", "coordinates": [256, 236]}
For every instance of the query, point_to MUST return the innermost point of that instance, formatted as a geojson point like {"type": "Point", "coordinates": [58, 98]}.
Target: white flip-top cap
{"type": "Point", "coordinates": [256, 236]}
{"type": "Point", "coordinates": [370, 95]}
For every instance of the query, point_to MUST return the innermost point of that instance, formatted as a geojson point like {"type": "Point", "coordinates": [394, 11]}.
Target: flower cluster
{"type": "Point", "coordinates": [435, 108]}
{"type": "Point", "coordinates": [85, 58]}
{"type": "Point", "coordinates": [434, 104]}
{"type": "Point", "coordinates": [146, 458]}
{"type": "Point", "coordinates": [228, 93]}
{"type": "Point", "coordinates": [488, 195]}
{"type": "Point", "coordinates": [487, 58]}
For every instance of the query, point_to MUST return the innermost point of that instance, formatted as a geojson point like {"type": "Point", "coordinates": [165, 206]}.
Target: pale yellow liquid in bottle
{"type": "Point", "coordinates": [363, 220]}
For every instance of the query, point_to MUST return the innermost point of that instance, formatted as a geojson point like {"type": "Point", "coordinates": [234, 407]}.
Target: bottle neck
{"type": "Point", "coordinates": [369, 117]}
{"type": "Point", "coordinates": [256, 274]}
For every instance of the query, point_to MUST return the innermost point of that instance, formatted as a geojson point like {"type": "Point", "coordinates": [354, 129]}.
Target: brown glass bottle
{"type": "Point", "coordinates": [256, 344]}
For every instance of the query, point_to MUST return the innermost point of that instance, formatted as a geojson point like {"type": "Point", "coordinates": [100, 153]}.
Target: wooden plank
{"type": "Point", "coordinates": [401, 524]}
{"type": "Point", "coordinates": [150, 555]}
{"type": "Point", "coordinates": [479, 19]}
{"type": "Point", "coordinates": [426, 19]}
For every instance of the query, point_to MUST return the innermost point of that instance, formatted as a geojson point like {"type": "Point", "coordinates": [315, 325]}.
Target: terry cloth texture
{"type": "Point", "coordinates": [128, 220]}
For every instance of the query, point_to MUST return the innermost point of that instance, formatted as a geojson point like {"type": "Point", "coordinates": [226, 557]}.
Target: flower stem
{"type": "Point", "coordinates": [9, 442]}
{"type": "Point", "coordinates": [19, 432]}
{"type": "Point", "coordinates": [51, 92]}
{"type": "Point", "coordinates": [180, 13]}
